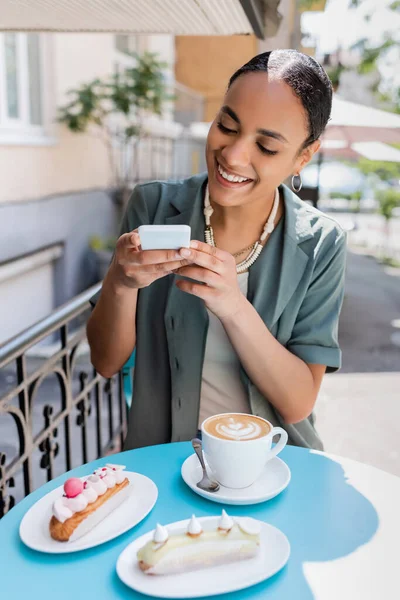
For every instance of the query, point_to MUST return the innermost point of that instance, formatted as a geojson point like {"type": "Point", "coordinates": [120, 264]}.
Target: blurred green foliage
{"type": "Point", "coordinates": [141, 88]}
{"type": "Point", "coordinates": [383, 169]}
{"type": "Point", "coordinates": [388, 200]}
{"type": "Point", "coordinates": [371, 55]}
{"type": "Point", "coordinates": [114, 108]}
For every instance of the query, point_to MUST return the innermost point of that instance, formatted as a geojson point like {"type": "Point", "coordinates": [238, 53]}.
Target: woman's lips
{"type": "Point", "coordinates": [229, 184]}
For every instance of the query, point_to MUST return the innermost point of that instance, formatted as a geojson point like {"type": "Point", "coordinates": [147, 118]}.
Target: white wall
{"type": "Point", "coordinates": [26, 291]}
{"type": "Point", "coordinates": [67, 162]}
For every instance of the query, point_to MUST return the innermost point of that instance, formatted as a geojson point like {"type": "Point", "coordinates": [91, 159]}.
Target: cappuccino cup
{"type": "Point", "coordinates": [237, 447]}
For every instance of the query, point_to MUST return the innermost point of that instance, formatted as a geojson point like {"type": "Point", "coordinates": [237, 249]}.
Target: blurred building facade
{"type": "Point", "coordinates": [55, 184]}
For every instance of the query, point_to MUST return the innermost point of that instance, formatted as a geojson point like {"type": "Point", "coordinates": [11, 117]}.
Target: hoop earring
{"type": "Point", "coordinates": [297, 188]}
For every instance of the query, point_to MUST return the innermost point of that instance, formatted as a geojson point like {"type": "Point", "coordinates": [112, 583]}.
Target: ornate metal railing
{"type": "Point", "coordinates": [56, 412]}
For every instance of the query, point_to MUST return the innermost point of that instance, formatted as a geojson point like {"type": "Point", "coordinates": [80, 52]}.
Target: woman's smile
{"type": "Point", "coordinates": [229, 178]}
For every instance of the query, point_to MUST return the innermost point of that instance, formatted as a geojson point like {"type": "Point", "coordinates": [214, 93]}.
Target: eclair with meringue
{"type": "Point", "coordinates": [86, 502]}
{"type": "Point", "coordinates": [230, 541]}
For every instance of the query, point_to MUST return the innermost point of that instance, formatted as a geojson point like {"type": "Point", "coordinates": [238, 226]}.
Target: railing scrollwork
{"type": "Point", "coordinates": [80, 415]}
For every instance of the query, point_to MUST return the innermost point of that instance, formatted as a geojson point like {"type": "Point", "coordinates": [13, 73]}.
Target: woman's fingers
{"type": "Point", "coordinates": [128, 241]}
{"type": "Point", "coordinates": [208, 257]}
{"type": "Point", "coordinates": [207, 249]}
{"type": "Point", "coordinates": [150, 257]}
{"type": "Point", "coordinates": [164, 267]}
{"type": "Point", "coordinates": [199, 274]}
{"type": "Point", "coordinates": [204, 292]}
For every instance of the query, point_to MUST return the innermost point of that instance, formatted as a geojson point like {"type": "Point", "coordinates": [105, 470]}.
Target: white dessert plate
{"type": "Point", "coordinates": [274, 479]}
{"type": "Point", "coordinates": [34, 527]}
{"type": "Point", "coordinates": [272, 557]}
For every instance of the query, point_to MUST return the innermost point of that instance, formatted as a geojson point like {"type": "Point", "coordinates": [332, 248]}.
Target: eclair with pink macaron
{"type": "Point", "coordinates": [86, 502]}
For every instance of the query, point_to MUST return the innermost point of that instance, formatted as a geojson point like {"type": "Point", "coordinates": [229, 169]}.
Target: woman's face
{"type": "Point", "coordinates": [255, 139]}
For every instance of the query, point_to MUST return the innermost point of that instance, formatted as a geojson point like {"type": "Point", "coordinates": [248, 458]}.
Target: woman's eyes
{"type": "Point", "coordinates": [224, 129]}
{"type": "Point", "coordinates": [266, 151]}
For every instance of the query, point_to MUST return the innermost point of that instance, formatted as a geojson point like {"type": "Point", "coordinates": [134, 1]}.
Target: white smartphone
{"type": "Point", "coordinates": [164, 237]}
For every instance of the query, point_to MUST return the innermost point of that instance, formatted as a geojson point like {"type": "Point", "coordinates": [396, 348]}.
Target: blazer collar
{"type": "Point", "coordinates": [276, 274]}
{"type": "Point", "coordinates": [298, 224]}
{"type": "Point", "coordinates": [188, 204]}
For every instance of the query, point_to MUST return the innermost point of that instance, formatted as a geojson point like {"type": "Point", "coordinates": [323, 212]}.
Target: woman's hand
{"type": "Point", "coordinates": [135, 268]}
{"type": "Point", "coordinates": [216, 271]}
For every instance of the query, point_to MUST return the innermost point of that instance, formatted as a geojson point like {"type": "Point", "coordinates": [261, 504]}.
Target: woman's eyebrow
{"type": "Point", "coordinates": [267, 132]}
{"type": "Point", "coordinates": [231, 113]}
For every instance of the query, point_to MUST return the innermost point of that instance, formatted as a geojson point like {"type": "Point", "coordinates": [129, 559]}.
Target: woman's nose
{"type": "Point", "coordinates": [236, 154]}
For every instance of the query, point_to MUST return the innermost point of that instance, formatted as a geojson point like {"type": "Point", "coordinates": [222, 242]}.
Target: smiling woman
{"type": "Point", "coordinates": [246, 319]}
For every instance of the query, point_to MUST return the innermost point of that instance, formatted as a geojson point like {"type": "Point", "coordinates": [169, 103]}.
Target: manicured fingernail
{"type": "Point", "coordinates": [193, 245]}
{"type": "Point", "coordinates": [185, 252]}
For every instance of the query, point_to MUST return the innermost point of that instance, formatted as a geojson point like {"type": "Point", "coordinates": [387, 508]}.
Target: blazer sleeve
{"type": "Point", "coordinates": [314, 336]}
{"type": "Point", "coordinates": [136, 214]}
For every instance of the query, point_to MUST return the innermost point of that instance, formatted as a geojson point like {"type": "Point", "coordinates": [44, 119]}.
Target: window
{"type": "Point", "coordinates": [125, 45]}
{"type": "Point", "coordinates": [21, 86]}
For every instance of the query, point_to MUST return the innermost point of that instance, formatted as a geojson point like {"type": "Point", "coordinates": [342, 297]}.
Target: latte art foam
{"type": "Point", "coordinates": [237, 427]}
{"type": "Point", "coordinates": [239, 431]}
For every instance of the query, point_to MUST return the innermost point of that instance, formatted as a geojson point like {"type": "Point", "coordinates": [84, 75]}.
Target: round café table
{"type": "Point", "coordinates": [341, 517]}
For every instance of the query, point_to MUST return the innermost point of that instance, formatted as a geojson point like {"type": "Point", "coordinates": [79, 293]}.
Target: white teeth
{"type": "Point", "coordinates": [228, 177]}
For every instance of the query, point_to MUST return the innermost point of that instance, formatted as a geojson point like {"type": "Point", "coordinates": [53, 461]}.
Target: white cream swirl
{"type": "Point", "coordinates": [110, 480]}
{"type": "Point", "coordinates": [194, 527]}
{"type": "Point", "coordinates": [117, 471]}
{"type": "Point", "coordinates": [90, 494]}
{"type": "Point", "coordinates": [61, 511]}
{"type": "Point", "coordinates": [97, 484]}
{"type": "Point", "coordinates": [111, 474]}
{"type": "Point", "coordinates": [237, 430]}
{"type": "Point", "coordinates": [76, 504]}
{"type": "Point", "coordinates": [94, 486]}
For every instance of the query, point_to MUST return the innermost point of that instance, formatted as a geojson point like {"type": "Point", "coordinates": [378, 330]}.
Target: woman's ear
{"type": "Point", "coordinates": [306, 155]}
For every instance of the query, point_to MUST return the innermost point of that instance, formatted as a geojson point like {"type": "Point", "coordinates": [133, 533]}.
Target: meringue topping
{"type": "Point", "coordinates": [194, 527]}
{"type": "Point", "coordinates": [226, 522]}
{"type": "Point", "coordinates": [160, 534]}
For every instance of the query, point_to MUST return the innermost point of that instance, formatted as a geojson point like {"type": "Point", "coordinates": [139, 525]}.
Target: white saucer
{"type": "Point", "coordinates": [274, 479]}
{"type": "Point", "coordinates": [210, 581]}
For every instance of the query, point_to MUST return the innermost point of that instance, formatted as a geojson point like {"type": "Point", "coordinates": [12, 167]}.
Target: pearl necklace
{"type": "Point", "coordinates": [257, 246]}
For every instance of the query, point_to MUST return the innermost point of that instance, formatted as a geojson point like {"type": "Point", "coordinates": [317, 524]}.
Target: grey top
{"type": "Point", "coordinates": [296, 286]}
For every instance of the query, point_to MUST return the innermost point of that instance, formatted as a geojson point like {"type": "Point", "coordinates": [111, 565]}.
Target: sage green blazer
{"type": "Point", "coordinates": [296, 286]}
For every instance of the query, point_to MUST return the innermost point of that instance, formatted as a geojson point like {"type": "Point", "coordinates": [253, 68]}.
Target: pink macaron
{"type": "Point", "coordinates": [73, 487]}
